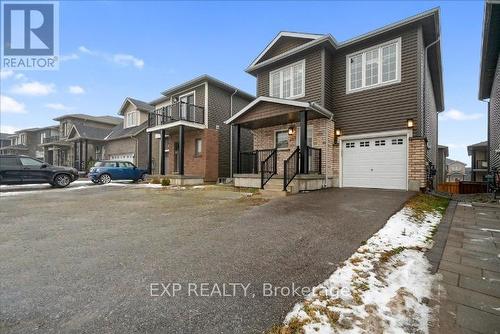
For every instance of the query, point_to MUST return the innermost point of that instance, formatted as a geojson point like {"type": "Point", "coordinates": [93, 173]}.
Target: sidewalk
{"type": "Point", "coordinates": [467, 256]}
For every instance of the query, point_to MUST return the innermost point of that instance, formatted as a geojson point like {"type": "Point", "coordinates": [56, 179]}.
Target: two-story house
{"type": "Point", "coordinates": [479, 160]}
{"type": "Point", "coordinates": [81, 138]}
{"type": "Point", "coordinates": [24, 141]}
{"type": "Point", "coordinates": [489, 81]}
{"type": "Point", "coordinates": [455, 170]}
{"type": "Point", "coordinates": [187, 137]}
{"type": "Point", "coordinates": [128, 140]}
{"type": "Point", "coordinates": [359, 113]}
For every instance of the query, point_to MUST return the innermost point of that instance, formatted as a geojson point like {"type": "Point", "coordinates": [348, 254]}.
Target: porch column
{"type": "Point", "coordinates": [150, 152]}
{"type": "Point", "coordinates": [86, 153]}
{"type": "Point", "coordinates": [180, 166]}
{"type": "Point", "coordinates": [74, 154]}
{"type": "Point", "coordinates": [162, 156]}
{"type": "Point", "coordinates": [81, 155]}
{"type": "Point", "coordinates": [304, 162]}
{"type": "Point", "coordinates": [238, 148]}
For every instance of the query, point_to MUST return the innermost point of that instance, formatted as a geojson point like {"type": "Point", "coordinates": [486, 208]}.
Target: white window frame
{"type": "Point", "coordinates": [281, 70]}
{"type": "Point", "coordinates": [136, 119]}
{"type": "Point", "coordinates": [310, 130]}
{"type": "Point", "coordinates": [196, 153]}
{"type": "Point", "coordinates": [363, 52]}
{"type": "Point", "coordinates": [288, 140]}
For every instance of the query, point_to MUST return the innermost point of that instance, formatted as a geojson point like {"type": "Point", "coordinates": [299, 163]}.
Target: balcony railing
{"type": "Point", "coordinates": [50, 139]}
{"type": "Point", "coordinates": [179, 111]}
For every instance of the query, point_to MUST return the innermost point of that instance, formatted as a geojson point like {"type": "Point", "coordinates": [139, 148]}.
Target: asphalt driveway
{"type": "Point", "coordinates": [85, 261]}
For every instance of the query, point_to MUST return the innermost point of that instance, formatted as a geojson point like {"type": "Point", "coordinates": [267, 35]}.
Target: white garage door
{"type": "Point", "coordinates": [123, 157]}
{"type": "Point", "coordinates": [375, 163]}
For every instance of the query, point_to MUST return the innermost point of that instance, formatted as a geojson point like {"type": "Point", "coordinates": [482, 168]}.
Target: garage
{"type": "Point", "coordinates": [122, 157]}
{"type": "Point", "coordinates": [379, 162]}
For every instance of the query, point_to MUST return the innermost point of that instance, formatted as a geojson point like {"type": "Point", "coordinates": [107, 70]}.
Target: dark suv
{"type": "Point", "coordinates": [22, 169]}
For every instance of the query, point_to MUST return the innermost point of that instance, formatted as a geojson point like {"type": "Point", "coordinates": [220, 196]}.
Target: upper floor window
{"type": "Point", "coordinates": [131, 119]}
{"type": "Point", "coordinates": [288, 82]}
{"type": "Point", "coordinates": [374, 67]}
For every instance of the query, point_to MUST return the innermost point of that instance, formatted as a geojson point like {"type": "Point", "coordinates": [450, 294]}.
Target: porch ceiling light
{"type": "Point", "coordinates": [409, 123]}
{"type": "Point", "coordinates": [291, 130]}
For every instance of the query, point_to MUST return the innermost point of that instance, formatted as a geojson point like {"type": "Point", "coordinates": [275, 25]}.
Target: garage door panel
{"type": "Point", "coordinates": [375, 163]}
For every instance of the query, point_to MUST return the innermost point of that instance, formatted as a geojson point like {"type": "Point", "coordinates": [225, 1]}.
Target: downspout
{"type": "Point", "coordinates": [231, 134]}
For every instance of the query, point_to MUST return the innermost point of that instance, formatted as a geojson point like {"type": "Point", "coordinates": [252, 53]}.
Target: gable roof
{"type": "Point", "coordinates": [431, 29]}
{"type": "Point", "coordinates": [102, 119]}
{"type": "Point", "coordinates": [477, 145]}
{"type": "Point", "coordinates": [202, 78]}
{"type": "Point", "coordinates": [490, 48]}
{"type": "Point", "coordinates": [306, 105]}
{"type": "Point", "coordinates": [118, 132]}
{"type": "Point", "coordinates": [451, 161]}
{"type": "Point", "coordinates": [279, 36]}
{"type": "Point", "coordinates": [85, 131]}
{"type": "Point", "coordinates": [139, 105]}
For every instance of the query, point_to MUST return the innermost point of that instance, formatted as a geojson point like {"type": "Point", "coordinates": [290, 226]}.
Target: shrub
{"type": "Point", "coordinates": [165, 182]}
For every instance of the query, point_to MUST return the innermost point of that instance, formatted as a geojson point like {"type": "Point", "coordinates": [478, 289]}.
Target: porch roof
{"type": "Point", "coordinates": [268, 111]}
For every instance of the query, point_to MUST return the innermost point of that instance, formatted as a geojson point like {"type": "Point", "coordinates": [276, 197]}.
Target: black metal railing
{"type": "Point", "coordinates": [50, 139]}
{"type": "Point", "coordinates": [314, 160]}
{"type": "Point", "coordinates": [179, 111]}
{"type": "Point", "coordinates": [250, 161]}
{"type": "Point", "coordinates": [291, 167]}
{"type": "Point", "coordinates": [268, 168]}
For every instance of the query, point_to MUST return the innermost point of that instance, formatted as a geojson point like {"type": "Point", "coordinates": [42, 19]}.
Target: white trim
{"type": "Point", "coordinates": [288, 140]}
{"type": "Point", "coordinates": [206, 104]}
{"type": "Point", "coordinates": [280, 70]}
{"type": "Point", "coordinates": [284, 34]}
{"type": "Point", "coordinates": [297, 139]}
{"type": "Point", "coordinates": [125, 118]}
{"type": "Point", "coordinates": [363, 67]}
{"type": "Point", "coordinates": [407, 132]}
{"type": "Point", "coordinates": [174, 124]}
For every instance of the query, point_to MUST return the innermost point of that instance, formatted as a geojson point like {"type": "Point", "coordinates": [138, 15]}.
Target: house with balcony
{"type": "Point", "coordinates": [188, 140]}
{"type": "Point", "coordinates": [479, 160]}
{"type": "Point", "coordinates": [80, 139]}
{"type": "Point", "coordinates": [358, 113]}
{"type": "Point", "coordinates": [489, 81]}
{"type": "Point", "coordinates": [128, 140]}
{"type": "Point", "coordinates": [25, 141]}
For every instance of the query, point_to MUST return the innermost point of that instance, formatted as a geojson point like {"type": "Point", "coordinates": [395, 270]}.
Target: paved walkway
{"type": "Point", "coordinates": [470, 269]}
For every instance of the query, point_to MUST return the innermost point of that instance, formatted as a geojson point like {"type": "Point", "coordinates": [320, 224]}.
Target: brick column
{"type": "Point", "coordinates": [417, 163]}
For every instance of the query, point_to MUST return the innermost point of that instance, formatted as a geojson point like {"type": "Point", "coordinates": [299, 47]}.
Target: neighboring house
{"type": "Point", "coordinates": [489, 81]}
{"type": "Point", "coordinates": [80, 139]}
{"type": "Point", "coordinates": [468, 172]}
{"type": "Point", "coordinates": [4, 139]}
{"type": "Point", "coordinates": [441, 165]}
{"type": "Point", "coordinates": [456, 170]}
{"type": "Point", "coordinates": [25, 142]}
{"type": "Point", "coordinates": [359, 113]}
{"type": "Point", "coordinates": [128, 140]}
{"type": "Point", "coordinates": [479, 160]}
{"type": "Point", "coordinates": [191, 142]}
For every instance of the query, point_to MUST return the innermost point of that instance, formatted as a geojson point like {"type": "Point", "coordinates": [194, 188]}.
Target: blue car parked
{"type": "Point", "coordinates": [105, 171]}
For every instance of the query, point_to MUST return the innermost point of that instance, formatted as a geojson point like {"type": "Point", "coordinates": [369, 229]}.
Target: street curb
{"type": "Point", "coordinates": [435, 254]}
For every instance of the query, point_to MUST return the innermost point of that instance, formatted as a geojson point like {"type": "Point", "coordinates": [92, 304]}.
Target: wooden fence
{"type": "Point", "coordinates": [463, 187]}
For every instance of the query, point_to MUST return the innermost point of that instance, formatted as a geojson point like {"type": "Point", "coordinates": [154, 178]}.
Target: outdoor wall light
{"type": "Point", "coordinates": [291, 130]}
{"type": "Point", "coordinates": [409, 123]}
{"type": "Point", "coordinates": [338, 132]}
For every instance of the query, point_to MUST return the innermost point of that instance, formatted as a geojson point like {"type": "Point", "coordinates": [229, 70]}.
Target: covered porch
{"type": "Point", "coordinates": [180, 146]}
{"type": "Point", "coordinates": [293, 142]}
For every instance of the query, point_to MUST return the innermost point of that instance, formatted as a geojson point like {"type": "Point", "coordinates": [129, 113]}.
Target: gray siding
{"type": "Point", "coordinates": [431, 119]}
{"type": "Point", "coordinates": [494, 119]}
{"type": "Point", "coordinates": [383, 108]}
{"type": "Point", "coordinates": [313, 82]}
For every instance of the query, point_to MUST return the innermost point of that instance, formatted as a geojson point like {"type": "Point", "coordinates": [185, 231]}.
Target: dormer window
{"type": "Point", "coordinates": [288, 82]}
{"type": "Point", "coordinates": [131, 119]}
{"type": "Point", "coordinates": [373, 67]}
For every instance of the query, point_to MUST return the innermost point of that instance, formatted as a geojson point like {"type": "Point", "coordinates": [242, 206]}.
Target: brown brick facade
{"type": "Point", "coordinates": [417, 163]}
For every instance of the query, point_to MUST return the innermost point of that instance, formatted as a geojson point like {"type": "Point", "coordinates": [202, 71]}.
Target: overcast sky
{"type": "Point", "coordinates": [111, 50]}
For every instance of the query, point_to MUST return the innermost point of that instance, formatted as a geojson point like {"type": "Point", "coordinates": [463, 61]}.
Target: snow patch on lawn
{"type": "Point", "coordinates": [387, 279]}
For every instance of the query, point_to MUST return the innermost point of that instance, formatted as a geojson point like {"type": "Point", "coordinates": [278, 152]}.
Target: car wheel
{"type": "Point", "coordinates": [62, 180]}
{"type": "Point", "coordinates": [105, 178]}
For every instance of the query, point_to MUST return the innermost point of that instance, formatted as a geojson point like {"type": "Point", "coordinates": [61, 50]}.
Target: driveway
{"type": "Point", "coordinates": [84, 261]}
